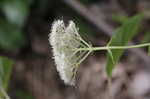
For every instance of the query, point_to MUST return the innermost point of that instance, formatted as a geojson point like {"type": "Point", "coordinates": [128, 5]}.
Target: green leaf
{"type": "Point", "coordinates": [6, 67]}
{"type": "Point", "coordinates": [121, 38]}
{"type": "Point", "coordinates": [146, 37]}
{"type": "Point", "coordinates": [5, 72]}
{"type": "Point", "coordinates": [149, 50]}
{"type": "Point", "coordinates": [111, 55]}
{"type": "Point", "coordinates": [120, 18]}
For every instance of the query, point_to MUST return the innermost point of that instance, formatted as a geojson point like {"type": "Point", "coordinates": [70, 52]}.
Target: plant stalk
{"type": "Point", "coordinates": [113, 47]}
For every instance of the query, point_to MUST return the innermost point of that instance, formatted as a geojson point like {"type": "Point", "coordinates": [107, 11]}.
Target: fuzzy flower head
{"type": "Point", "coordinates": [65, 41]}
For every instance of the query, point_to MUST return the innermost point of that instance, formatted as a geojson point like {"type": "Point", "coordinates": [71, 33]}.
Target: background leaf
{"type": "Point", "coordinates": [121, 38]}
{"type": "Point", "coordinates": [111, 55]}
{"type": "Point", "coordinates": [5, 72]}
{"type": "Point", "coordinates": [146, 38]}
{"type": "Point", "coordinates": [149, 50]}
{"type": "Point", "coordinates": [120, 18]}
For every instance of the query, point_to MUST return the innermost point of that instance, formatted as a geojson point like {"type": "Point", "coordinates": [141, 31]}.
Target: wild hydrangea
{"type": "Point", "coordinates": [65, 40]}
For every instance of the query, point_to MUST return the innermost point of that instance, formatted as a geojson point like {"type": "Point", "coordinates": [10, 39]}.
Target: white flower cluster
{"type": "Point", "coordinates": [65, 40]}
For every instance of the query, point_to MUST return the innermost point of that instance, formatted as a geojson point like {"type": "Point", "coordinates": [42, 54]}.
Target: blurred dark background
{"type": "Point", "coordinates": [24, 29]}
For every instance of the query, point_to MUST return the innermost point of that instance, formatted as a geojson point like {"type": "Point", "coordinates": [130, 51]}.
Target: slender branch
{"type": "Point", "coordinates": [113, 47]}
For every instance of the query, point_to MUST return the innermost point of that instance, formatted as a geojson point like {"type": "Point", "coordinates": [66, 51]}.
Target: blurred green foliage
{"type": "Point", "coordinates": [6, 67]}
{"type": "Point", "coordinates": [146, 38]}
{"type": "Point", "coordinates": [119, 18]}
{"type": "Point", "coordinates": [15, 11]}
{"type": "Point", "coordinates": [13, 14]}
{"type": "Point", "coordinates": [11, 36]}
{"type": "Point", "coordinates": [5, 72]}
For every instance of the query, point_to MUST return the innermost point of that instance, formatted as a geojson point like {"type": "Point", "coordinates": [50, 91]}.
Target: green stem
{"type": "Point", "coordinates": [113, 47]}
